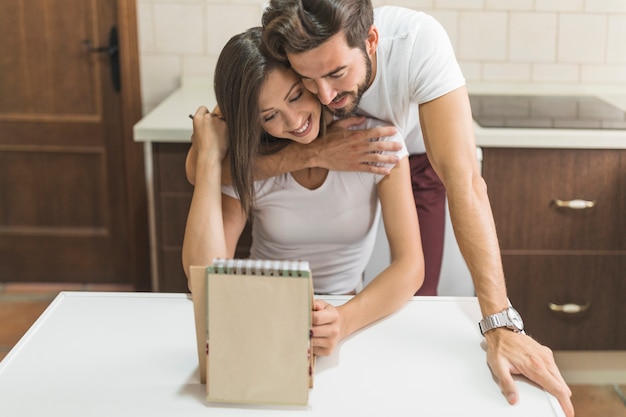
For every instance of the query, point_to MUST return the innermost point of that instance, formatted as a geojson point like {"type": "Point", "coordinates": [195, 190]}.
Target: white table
{"type": "Point", "coordinates": [134, 354]}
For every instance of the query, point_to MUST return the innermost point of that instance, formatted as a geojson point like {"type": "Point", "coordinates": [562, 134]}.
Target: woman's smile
{"type": "Point", "coordinates": [304, 129]}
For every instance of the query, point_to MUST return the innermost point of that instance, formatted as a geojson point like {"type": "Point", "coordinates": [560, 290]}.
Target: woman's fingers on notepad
{"type": "Point", "coordinates": [326, 328]}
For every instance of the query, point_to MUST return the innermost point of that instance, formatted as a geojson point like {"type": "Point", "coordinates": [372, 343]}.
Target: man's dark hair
{"type": "Point", "coordinates": [296, 26]}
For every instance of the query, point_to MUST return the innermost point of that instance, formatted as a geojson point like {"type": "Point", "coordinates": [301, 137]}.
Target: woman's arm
{"type": "Point", "coordinates": [391, 289]}
{"type": "Point", "coordinates": [214, 222]}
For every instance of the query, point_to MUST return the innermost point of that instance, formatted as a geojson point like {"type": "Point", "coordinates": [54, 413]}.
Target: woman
{"type": "Point", "coordinates": [326, 217]}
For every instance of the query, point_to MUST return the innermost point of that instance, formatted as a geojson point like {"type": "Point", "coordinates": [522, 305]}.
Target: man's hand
{"type": "Point", "coordinates": [326, 330]}
{"type": "Point", "coordinates": [345, 149]}
{"type": "Point", "coordinates": [510, 353]}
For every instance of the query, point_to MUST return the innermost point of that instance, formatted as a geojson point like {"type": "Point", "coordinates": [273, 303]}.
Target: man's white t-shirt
{"type": "Point", "coordinates": [332, 227]}
{"type": "Point", "coordinates": [415, 64]}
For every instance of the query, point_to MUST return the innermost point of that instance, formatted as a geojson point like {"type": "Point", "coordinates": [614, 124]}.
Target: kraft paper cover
{"type": "Point", "coordinates": [256, 328]}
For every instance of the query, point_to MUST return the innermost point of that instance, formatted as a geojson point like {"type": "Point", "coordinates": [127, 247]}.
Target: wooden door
{"type": "Point", "coordinates": [66, 210]}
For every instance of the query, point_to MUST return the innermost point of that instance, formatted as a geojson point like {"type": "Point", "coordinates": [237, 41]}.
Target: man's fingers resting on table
{"type": "Point", "coordinates": [511, 353]}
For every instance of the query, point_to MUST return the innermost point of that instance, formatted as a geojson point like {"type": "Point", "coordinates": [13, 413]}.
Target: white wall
{"type": "Point", "coordinates": [526, 41]}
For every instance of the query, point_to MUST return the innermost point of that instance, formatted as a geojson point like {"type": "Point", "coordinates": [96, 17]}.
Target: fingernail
{"type": "Point", "coordinates": [511, 397]}
{"type": "Point", "coordinates": [310, 333]}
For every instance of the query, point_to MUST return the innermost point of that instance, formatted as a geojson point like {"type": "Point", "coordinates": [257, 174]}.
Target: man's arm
{"type": "Point", "coordinates": [449, 138]}
{"type": "Point", "coordinates": [340, 149]}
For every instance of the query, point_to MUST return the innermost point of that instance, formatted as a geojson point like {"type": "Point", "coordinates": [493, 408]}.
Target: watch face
{"type": "Point", "coordinates": [515, 318]}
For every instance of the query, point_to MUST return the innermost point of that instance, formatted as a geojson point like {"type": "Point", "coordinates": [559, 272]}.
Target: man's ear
{"type": "Point", "coordinates": [372, 41]}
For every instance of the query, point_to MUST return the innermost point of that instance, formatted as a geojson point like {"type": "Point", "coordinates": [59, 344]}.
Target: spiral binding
{"type": "Point", "coordinates": [260, 267]}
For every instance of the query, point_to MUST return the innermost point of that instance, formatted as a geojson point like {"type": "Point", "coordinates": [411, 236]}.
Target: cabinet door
{"type": "Point", "coordinates": [541, 285]}
{"type": "Point", "coordinates": [524, 185]}
{"type": "Point", "coordinates": [557, 258]}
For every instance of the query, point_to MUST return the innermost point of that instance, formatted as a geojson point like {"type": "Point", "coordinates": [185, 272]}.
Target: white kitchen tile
{"type": "Point", "coordinates": [509, 5]}
{"type": "Point", "coordinates": [506, 72]}
{"type": "Point", "coordinates": [160, 76]}
{"type": "Point", "coordinates": [482, 35]}
{"type": "Point", "coordinates": [606, 6]}
{"type": "Point", "coordinates": [560, 5]}
{"type": "Point", "coordinates": [201, 65]}
{"type": "Point", "coordinates": [256, 3]}
{"type": "Point", "coordinates": [409, 4]}
{"type": "Point", "coordinates": [145, 28]}
{"type": "Point", "coordinates": [225, 21]}
{"type": "Point", "coordinates": [616, 42]}
{"type": "Point", "coordinates": [178, 28]}
{"type": "Point", "coordinates": [459, 4]}
{"type": "Point", "coordinates": [532, 37]}
{"type": "Point", "coordinates": [449, 20]}
{"type": "Point", "coordinates": [582, 38]}
{"type": "Point", "coordinates": [603, 74]}
{"type": "Point", "coordinates": [472, 71]}
{"type": "Point", "coordinates": [555, 73]}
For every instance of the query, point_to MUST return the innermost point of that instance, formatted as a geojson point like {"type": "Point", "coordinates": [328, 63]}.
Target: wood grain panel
{"type": "Point", "coordinates": [46, 70]}
{"type": "Point", "coordinates": [522, 184]}
{"type": "Point", "coordinates": [66, 190]}
{"type": "Point", "coordinates": [169, 164]}
{"type": "Point", "coordinates": [535, 281]}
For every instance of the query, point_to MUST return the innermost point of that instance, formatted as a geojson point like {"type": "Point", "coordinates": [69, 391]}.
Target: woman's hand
{"type": "Point", "coordinates": [326, 331]}
{"type": "Point", "coordinates": [209, 133]}
{"type": "Point", "coordinates": [209, 137]}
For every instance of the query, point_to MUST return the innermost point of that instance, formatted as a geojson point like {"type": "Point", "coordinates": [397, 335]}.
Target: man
{"type": "Point", "coordinates": [402, 69]}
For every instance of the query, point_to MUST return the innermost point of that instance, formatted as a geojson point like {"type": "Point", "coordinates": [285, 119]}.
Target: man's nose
{"type": "Point", "coordinates": [325, 92]}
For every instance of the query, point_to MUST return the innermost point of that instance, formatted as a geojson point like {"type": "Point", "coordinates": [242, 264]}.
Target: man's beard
{"type": "Point", "coordinates": [356, 97]}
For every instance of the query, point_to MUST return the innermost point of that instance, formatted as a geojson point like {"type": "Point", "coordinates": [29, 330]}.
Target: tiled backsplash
{"type": "Point", "coordinates": [525, 41]}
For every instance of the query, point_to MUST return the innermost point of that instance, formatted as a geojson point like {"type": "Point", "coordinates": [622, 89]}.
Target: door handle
{"type": "Point", "coordinates": [112, 50]}
{"type": "Point", "coordinates": [574, 204]}
{"type": "Point", "coordinates": [569, 308]}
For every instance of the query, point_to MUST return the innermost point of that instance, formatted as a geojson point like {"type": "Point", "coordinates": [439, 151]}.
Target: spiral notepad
{"type": "Point", "coordinates": [258, 317]}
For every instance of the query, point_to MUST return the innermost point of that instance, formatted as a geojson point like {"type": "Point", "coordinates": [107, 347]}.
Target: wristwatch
{"type": "Point", "coordinates": [508, 318]}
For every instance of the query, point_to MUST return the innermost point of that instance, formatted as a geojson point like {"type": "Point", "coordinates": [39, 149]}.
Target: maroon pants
{"type": "Point", "coordinates": [430, 200]}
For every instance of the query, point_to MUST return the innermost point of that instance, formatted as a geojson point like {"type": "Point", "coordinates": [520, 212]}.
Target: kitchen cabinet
{"type": "Point", "coordinates": [565, 267]}
{"type": "Point", "coordinates": [172, 197]}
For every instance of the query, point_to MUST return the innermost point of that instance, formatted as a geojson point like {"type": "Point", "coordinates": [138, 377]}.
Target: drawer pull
{"type": "Point", "coordinates": [574, 204]}
{"type": "Point", "coordinates": [569, 308]}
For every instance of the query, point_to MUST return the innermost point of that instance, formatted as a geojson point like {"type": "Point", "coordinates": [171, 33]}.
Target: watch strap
{"type": "Point", "coordinates": [498, 320]}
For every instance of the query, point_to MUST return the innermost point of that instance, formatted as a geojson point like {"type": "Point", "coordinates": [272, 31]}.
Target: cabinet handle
{"type": "Point", "coordinates": [569, 308]}
{"type": "Point", "coordinates": [574, 204]}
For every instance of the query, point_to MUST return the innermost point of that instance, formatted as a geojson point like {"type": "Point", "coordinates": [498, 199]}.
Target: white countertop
{"type": "Point", "coordinates": [134, 354]}
{"type": "Point", "coordinates": [169, 121]}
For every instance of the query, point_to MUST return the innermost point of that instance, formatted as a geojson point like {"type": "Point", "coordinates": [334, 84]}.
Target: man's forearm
{"type": "Point", "coordinates": [291, 158]}
{"type": "Point", "coordinates": [340, 149]}
{"type": "Point", "coordinates": [475, 232]}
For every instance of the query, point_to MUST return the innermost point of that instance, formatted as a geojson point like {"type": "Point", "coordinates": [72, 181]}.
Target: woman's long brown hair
{"type": "Point", "coordinates": [241, 69]}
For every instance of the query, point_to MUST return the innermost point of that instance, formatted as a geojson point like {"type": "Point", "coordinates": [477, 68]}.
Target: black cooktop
{"type": "Point", "coordinates": [546, 112]}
